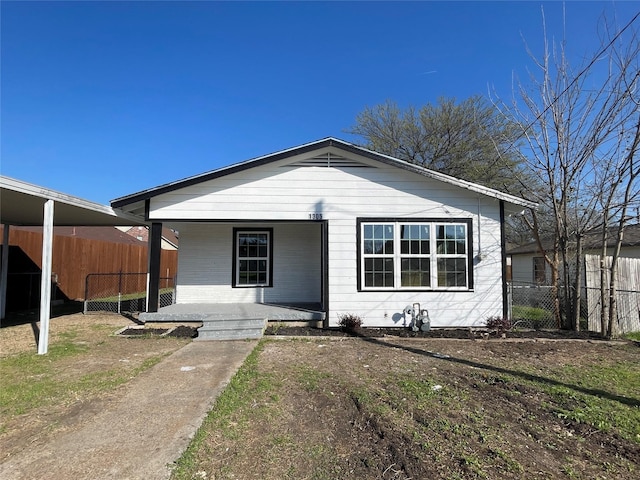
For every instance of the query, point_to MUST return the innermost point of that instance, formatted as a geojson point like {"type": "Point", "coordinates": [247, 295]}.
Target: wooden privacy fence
{"type": "Point", "coordinates": [75, 257]}
{"type": "Point", "coordinates": [627, 292]}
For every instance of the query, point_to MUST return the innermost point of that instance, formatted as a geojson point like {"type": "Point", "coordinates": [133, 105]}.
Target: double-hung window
{"type": "Point", "coordinates": [253, 253]}
{"type": "Point", "coordinates": [451, 255]}
{"type": "Point", "coordinates": [414, 255]}
{"type": "Point", "coordinates": [378, 254]}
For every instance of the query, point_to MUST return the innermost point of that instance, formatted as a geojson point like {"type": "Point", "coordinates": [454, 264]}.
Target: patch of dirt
{"type": "Point", "coordinates": [380, 403]}
{"type": "Point", "coordinates": [181, 331]}
{"type": "Point", "coordinates": [388, 408]}
{"type": "Point", "coordinates": [452, 333]}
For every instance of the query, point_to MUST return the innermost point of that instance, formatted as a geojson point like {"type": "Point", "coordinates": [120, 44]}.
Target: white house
{"type": "Point", "coordinates": [340, 227]}
{"type": "Point", "coordinates": [528, 264]}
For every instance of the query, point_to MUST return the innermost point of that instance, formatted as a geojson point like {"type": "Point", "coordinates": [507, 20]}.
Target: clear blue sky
{"type": "Point", "coordinates": [104, 99]}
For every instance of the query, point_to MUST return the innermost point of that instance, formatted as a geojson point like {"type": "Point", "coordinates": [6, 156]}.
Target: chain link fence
{"type": "Point", "coordinates": [531, 305]}
{"type": "Point", "coordinates": [123, 292]}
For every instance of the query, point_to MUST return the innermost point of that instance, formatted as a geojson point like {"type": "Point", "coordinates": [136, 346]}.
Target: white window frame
{"type": "Point", "coordinates": [432, 255]}
{"type": "Point", "coordinates": [237, 233]}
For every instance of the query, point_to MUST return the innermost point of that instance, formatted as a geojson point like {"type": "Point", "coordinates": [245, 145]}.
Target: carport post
{"type": "Point", "coordinates": [45, 281]}
{"type": "Point", "coordinates": [4, 274]}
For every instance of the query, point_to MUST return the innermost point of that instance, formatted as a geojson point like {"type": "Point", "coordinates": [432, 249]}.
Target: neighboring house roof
{"type": "Point", "coordinates": [591, 241]}
{"type": "Point", "coordinates": [142, 233]}
{"type": "Point", "coordinates": [310, 147]}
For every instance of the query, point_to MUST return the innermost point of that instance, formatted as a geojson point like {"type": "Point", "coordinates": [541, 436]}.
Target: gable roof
{"type": "Point", "coordinates": [591, 241]}
{"type": "Point", "coordinates": [310, 147]}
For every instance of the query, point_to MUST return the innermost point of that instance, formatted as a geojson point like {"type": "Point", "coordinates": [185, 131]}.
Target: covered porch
{"type": "Point", "coordinates": [225, 321]}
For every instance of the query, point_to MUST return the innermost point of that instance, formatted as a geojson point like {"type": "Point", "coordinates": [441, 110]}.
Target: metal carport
{"type": "Point", "coordinates": [25, 204]}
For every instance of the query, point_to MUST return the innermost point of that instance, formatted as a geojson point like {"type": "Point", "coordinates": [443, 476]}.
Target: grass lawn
{"type": "Point", "coordinates": [84, 362]}
{"type": "Point", "coordinates": [366, 408]}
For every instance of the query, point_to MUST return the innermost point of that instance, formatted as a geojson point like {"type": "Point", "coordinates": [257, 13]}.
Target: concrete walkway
{"type": "Point", "coordinates": [145, 429]}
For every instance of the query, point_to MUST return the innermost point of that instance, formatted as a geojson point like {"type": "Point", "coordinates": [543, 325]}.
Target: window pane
{"type": "Point", "coordinates": [415, 272]}
{"type": "Point", "coordinates": [452, 272]}
{"type": "Point", "coordinates": [388, 231]}
{"type": "Point", "coordinates": [378, 264]}
{"type": "Point", "coordinates": [378, 240]}
{"type": "Point", "coordinates": [451, 240]}
{"type": "Point", "coordinates": [414, 239]}
{"type": "Point", "coordinates": [378, 272]}
{"type": "Point", "coordinates": [252, 260]}
{"type": "Point", "coordinates": [388, 247]}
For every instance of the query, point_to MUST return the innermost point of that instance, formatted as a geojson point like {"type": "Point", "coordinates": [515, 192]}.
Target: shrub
{"type": "Point", "coordinates": [499, 324]}
{"type": "Point", "coordinates": [350, 322]}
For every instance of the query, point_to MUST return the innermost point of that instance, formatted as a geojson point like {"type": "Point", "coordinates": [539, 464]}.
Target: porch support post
{"type": "Point", "coordinates": [155, 250]}
{"type": "Point", "coordinates": [324, 233]}
{"type": "Point", "coordinates": [45, 280]}
{"type": "Point", "coordinates": [503, 255]}
{"type": "Point", "coordinates": [4, 274]}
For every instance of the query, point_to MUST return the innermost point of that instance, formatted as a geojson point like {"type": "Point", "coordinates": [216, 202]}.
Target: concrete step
{"type": "Point", "coordinates": [227, 335]}
{"type": "Point", "coordinates": [231, 329]}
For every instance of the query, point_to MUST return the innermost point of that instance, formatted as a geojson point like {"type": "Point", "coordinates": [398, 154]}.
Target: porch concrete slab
{"type": "Point", "coordinates": [192, 312]}
{"type": "Point", "coordinates": [147, 424]}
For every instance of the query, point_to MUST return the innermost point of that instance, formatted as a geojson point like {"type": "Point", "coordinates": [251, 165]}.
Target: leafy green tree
{"type": "Point", "coordinates": [471, 140]}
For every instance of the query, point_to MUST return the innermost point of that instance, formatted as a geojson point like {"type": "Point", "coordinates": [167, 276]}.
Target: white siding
{"type": "Point", "coordinates": [445, 308]}
{"type": "Point", "coordinates": [206, 256]}
{"type": "Point", "coordinates": [522, 268]}
{"type": "Point", "coordinates": [280, 193]}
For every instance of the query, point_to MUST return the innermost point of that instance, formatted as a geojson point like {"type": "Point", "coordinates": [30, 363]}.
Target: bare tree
{"type": "Point", "coordinates": [577, 124]}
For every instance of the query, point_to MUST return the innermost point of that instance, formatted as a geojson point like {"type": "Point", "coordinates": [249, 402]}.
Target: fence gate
{"type": "Point", "coordinates": [627, 292]}
{"type": "Point", "coordinates": [123, 292]}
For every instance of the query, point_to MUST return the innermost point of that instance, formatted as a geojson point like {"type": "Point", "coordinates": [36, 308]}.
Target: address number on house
{"type": "Point", "coordinates": [315, 216]}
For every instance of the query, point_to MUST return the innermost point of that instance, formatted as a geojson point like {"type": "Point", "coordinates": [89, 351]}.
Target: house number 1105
{"type": "Point", "coordinates": [315, 216]}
